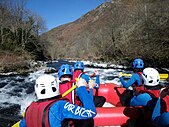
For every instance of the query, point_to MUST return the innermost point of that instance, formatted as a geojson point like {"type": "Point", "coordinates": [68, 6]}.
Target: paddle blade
{"type": "Point", "coordinates": [16, 124]}
{"type": "Point", "coordinates": [162, 76]}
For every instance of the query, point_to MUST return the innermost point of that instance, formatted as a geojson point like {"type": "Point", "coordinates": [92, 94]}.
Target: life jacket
{"type": "Point", "coordinates": [67, 85]}
{"type": "Point", "coordinates": [77, 74]}
{"type": "Point", "coordinates": [156, 94]}
{"type": "Point", "coordinates": [137, 87]}
{"type": "Point", "coordinates": [63, 87]}
{"type": "Point", "coordinates": [37, 113]}
{"type": "Point", "coordinates": [150, 106]}
{"type": "Point", "coordinates": [152, 93]}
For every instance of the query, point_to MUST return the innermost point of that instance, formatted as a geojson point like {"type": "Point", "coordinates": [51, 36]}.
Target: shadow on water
{"type": "Point", "coordinates": [9, 115]}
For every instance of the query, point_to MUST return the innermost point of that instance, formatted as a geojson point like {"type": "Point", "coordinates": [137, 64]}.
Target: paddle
{"type": "Point", "coordinates": [17, 124]}
{"type": "Point", "coordinates": [162, 76]}
{"type": "Point", "coordinates": [92, 75]}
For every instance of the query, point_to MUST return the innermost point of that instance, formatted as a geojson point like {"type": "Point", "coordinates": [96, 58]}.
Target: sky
{"type": "Point", "coordinates": [59, 12]}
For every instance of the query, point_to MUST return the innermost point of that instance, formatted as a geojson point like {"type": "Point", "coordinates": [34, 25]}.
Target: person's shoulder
{"type": "Point", "coordinates": [58, 105]}
{"type": "Point", "coordinates": [60, 102]}
{"type": "Point", "coordinates": [85, 74]}
{"type": "Point", "coordinates": [144, 95]}
{"type": "Point", "coordinates": [135, 75]}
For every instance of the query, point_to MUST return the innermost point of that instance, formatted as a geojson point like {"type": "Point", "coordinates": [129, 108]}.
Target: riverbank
{"type": "Point", "coordinates": [18, 64]}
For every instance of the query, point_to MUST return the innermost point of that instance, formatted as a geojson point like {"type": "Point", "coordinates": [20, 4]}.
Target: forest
{"type": "Point", "coordinates": [117, 31]}
{"type": "Point", "coordinates": [20, 31]}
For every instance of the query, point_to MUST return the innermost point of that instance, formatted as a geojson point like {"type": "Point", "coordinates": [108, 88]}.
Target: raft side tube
{"type": "Point", "coordinates": [115, 116]}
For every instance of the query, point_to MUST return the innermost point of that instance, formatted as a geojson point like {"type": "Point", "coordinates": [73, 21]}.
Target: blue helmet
{"type": "Point", "coordinates": [79, 65]}
{"type": "Point", "coordinates": [65, 69]}
{"type": "Point", "coordinates": [138, 63]}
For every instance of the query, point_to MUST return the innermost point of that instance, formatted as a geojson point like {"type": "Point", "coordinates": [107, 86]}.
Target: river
{"type": "Point", "coordinates": [17, 91]}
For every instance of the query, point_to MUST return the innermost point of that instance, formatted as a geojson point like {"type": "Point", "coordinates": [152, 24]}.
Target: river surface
{"type": "Point", "coordinates": [17, 91]}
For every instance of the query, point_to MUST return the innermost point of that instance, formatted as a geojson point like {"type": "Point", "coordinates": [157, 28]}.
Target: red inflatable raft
{"type": "Point", "coordinates": [111, 92]}
{"type": "Point", "coordinates": [114, 116]}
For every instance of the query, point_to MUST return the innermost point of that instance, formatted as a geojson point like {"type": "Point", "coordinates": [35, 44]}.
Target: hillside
{"type": "Point", "coordinates": [115, 31]}
{"type": "Point", "coordinates": [76, 38]}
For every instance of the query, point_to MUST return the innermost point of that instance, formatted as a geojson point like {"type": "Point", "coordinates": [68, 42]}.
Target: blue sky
{"type": "Point", "coordinates": [58, 12]}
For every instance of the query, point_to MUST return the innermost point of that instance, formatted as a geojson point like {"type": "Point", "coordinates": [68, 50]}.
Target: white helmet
{"type": "Point", "coordinates": [46, 87]}
{"type": "Point", "coordinates": [151, 77]}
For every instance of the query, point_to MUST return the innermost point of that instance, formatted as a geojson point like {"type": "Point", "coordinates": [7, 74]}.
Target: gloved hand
{"type": "Point", "coordinates": [91, 84]}
{"type": "Point", "coordinates": [120, 74]}
{"type": "Point", "coordinates": [96, 72]}
{"type": "Point", "coordinates": [81, 82]}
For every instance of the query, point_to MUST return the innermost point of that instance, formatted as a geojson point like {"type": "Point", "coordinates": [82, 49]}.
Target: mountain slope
{"type": "Point", "coordinates": [75, 39]}
{"type": "Point", "coordinates": [115, 31]}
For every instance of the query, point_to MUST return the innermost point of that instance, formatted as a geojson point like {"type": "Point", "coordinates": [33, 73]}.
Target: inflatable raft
{"type": "Point", "coordinates": [111, 92]}
{"type": "Point", "coordinates": [118, 115]}
{"type": "Point", "coordinates": [112, 116]}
